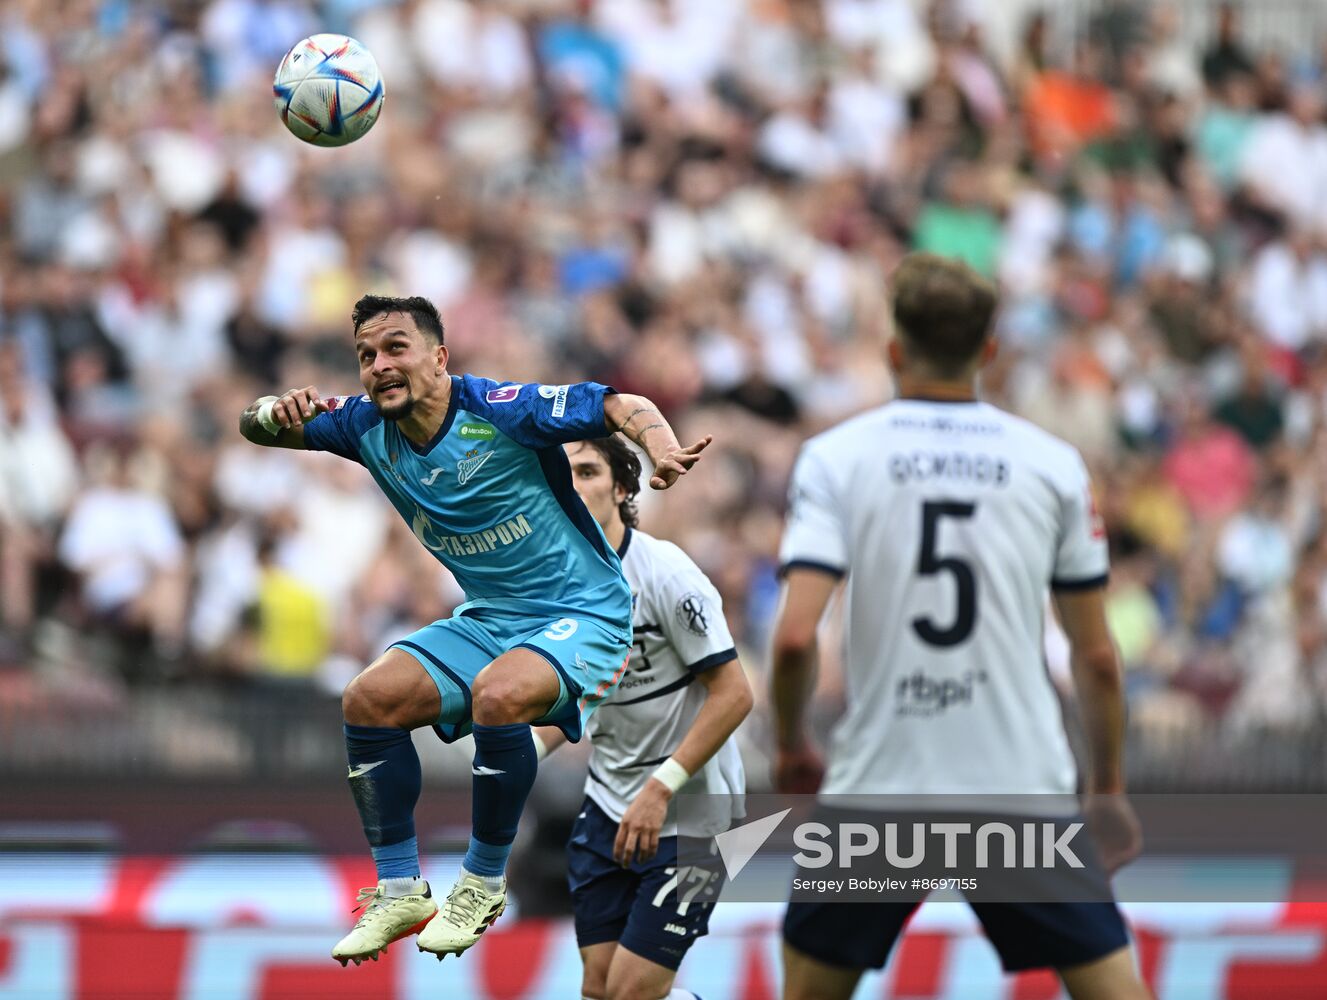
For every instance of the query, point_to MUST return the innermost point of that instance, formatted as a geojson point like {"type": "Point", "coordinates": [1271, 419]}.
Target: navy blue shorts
{"type": "Point", "coordinates": [650, 908]}
{"type": "Point", "coordinates": [1027, 935]}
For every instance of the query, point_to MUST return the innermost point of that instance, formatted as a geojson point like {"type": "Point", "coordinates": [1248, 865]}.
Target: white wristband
{"type": "Point", "coordinates": [540, 748]}
{"type": "Point", "coordinates": [264, 415]}
{"type": "Point", "coordinates": [671, 775]}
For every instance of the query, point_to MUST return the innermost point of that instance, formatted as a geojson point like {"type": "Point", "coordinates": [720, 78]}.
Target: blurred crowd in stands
{"type": "Point", "coordinates": [697, 200]}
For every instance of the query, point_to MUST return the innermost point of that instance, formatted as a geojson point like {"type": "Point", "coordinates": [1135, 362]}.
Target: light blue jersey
{"type": "Point", "coordinates": [491, 497]}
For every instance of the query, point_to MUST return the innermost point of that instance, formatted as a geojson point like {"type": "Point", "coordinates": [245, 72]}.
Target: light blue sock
{"type": "Point", "coordinates": [397, 860]}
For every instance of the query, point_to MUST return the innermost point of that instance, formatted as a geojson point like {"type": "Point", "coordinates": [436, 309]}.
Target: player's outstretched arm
{"type": "Point", "coordinates": [728, 701]}
{"type": "Point", "coordinates": [641, 421]}
{"type": "Point", "coordinates": [1099, 681]}
{"type": "Point", "coordinates": [806, 592]}
{"type": "Point", "coordinates": [278, 421]}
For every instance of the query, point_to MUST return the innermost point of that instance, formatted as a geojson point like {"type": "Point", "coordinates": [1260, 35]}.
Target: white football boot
{"type": "Point", "coordinates": [385, 919]}
{"type": "Point", "coordinates": [466, 913]}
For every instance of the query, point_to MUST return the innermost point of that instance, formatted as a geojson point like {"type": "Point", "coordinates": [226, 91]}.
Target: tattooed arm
{"type": "Point", "coordinates": [641, 421]}
{"type": "Point", "coordinates": [278, 421]}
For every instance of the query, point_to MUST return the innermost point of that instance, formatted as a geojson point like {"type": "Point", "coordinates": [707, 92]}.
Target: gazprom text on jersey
{"type": "Point", "coordinates": [503, 533]}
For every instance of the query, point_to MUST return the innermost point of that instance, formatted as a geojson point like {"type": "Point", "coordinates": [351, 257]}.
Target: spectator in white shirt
{"type": "Point", "coordinates": [1284, 168]}
{"type": "Point", "coordinates": [1287, 292]}
{"type": "Point", "coordinates": [123, 542]}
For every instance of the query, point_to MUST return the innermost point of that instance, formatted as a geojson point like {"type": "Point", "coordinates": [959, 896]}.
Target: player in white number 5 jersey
{"type": "Point", "coordinates": [949, 519]}
{"type": "Point", "coordinates": [668, 723]}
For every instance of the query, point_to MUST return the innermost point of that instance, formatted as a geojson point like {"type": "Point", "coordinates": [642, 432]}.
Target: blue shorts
{"type": "Point", "coordinates": [1027, 935]}
{"type": "Point", "coordinates": [588, 658]}
{"type": "Point", "coordinates": [649, 908]}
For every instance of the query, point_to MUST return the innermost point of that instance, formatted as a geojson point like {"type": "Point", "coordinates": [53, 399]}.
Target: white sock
{"type": "Point", "coordinates": [409, 886]}
{"type": "Point", "coordinates": [492, 883]}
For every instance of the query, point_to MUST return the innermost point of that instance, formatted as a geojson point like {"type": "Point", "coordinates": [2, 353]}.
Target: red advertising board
{"type": "Point", "coordinates": [260, 928]}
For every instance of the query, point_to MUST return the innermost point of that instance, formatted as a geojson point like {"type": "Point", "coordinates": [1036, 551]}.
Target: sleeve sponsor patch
{"type": "Point", "coordinates": [506, 394]}
{"type": "Point", "coordinates": [796, 496]}
{"type": "Point", "coordinates": [557, 393]}
{"type": "Point", "coordinates": [693, 613]}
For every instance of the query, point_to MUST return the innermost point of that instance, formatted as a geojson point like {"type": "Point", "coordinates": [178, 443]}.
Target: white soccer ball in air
{"type": "Point", "coordinates": [328, 90]}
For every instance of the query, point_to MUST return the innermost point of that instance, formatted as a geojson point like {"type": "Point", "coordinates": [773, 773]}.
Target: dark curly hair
{"type": "Point", "coordinates": [425, 312]}
{"type": "Point", "coordinates": [624, 465]}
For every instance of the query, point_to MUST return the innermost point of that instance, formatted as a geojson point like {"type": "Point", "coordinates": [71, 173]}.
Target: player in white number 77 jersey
{"type": "Point", "coordinates": [668, 723]}
{"type": "Point", "coordinates": [949, 519]}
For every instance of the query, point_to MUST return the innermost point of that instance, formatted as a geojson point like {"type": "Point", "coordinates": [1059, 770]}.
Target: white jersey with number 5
{"type": "Point", "coordinates": [950, 521]}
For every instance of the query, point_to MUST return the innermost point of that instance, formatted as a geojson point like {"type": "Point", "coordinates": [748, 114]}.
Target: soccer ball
{"type": "Point", "coordinates": [328, 90]}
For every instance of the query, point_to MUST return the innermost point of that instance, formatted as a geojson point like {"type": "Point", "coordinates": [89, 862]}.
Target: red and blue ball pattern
{"type": "Point", "coordinates": [328, 90]}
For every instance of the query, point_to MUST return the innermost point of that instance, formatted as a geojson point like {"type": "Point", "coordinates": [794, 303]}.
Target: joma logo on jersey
{"type": "Point", "coordinates": [926, 696]}
{"type": "Point", "coordinates": [501, 534]}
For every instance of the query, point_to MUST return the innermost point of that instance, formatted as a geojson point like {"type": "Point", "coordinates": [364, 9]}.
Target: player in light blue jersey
{"type": "Point", "coordinates": [477, 470]}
